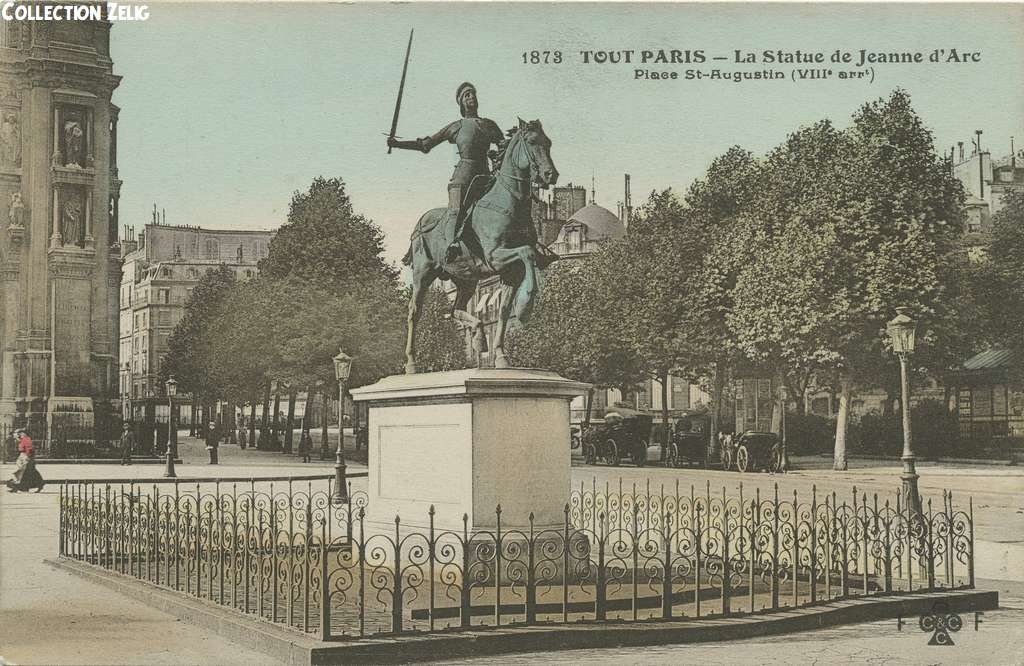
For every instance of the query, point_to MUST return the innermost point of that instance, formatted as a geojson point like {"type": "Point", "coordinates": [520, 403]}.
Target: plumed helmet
{"type": "Point", "coordinates": [463, 87]}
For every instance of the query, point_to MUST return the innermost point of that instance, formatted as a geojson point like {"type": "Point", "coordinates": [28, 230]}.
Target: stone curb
{"type": "Point", "coordinates": [290, 648]}
{"type": "Point", "coordinates": [294, 648]}
{"type": "Point", "coordinates": [996, 462]}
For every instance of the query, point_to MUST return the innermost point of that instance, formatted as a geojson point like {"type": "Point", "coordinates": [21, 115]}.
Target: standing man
{"type": "Point", "coordinates": [212, 441]}
{"type": "Point", "coordinates": [473, 136]}
{"type": "Point", "coordinates": [127, 443]}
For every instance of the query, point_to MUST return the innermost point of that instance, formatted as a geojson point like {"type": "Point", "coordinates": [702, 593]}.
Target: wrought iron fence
{"type": "Point", "coordinates": [294, 556]}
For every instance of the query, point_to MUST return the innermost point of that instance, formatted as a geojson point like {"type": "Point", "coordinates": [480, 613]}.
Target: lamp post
{"type": "Point", "coordinates": [901, 334]}
{"type": "Point", "coordinates": [172, 390]}
{"type": "Point", "coordinates": [342, 370]}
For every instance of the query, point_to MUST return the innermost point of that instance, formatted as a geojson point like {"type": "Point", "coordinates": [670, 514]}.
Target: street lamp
{"type": "Point", "coordinates": [342, 370]}
{"type": "Point", "coordinates": [901, 334]}
{"type": "Point", "coordinates": [172, 390]}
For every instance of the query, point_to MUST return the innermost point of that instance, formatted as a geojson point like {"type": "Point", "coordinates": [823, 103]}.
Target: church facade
{"type": "Point", "coordinates": [59, 255]}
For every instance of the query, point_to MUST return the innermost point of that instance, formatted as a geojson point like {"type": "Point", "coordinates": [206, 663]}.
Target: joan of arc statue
{"type": "Point", "coordinates": [473, 136]}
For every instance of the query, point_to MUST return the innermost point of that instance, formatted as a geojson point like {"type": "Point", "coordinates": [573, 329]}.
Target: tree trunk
{"type": "Point", "coordinates": [779, 416]}
{"type": "Point", "coordinates": [229, 422]}
{"type": "Point", "coordinates": [290, 423]}
{"type": "Point", "coordinates": [275, 428]}
{"type": "Point", "coordinates": [839, 456]}
{"type": "Point", "coordinates": [663, 378]}
{"type": "Point", "coordinates": [192, 418]}
{"type": "Point", "coordinates": [264, 438]}
{"type": "Point", "coordinates": [357, 420]}
{"type": "Point", "coordinates": [589, 407]}
{"type": "Point", "coordinates": [323, 417]}
{"type": "Point", "coordinates": [717, 395]}
{"type": "Point", "coordinates": [252, 422]}
{"type": "Point", "coordinates": [777, 406]}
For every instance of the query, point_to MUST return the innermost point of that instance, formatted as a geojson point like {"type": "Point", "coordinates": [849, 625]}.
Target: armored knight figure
{"type": "Point", "coordinates": [473, 136]}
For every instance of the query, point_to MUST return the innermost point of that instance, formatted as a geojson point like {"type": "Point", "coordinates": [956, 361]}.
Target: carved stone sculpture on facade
{"type": "Point", "coordinates": [16, 218]}
{"type": "Point", "coordinates": [71, 223]}
{"type": "Point", "coordinates": [16, 211]}
{"type": "Point", "coordinates": [10, 139]}
{"type": "Point", "coordinates": [74, 144]}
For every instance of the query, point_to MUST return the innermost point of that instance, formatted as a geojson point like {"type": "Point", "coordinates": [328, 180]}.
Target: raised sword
{"type": "Point", "coordinates": [401, 89]}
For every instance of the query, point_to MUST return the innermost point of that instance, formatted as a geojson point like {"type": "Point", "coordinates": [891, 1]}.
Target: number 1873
{"type": "Point", "coordinates": [542, 57]}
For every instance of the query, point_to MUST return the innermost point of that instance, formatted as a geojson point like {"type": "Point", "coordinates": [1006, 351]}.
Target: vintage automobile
{"type": "Point", "coordinates": [753, 450]}
{"type": "Point", "coordinates": [691, 441]}
{"type": "Point", "coordinates": [627, 436]}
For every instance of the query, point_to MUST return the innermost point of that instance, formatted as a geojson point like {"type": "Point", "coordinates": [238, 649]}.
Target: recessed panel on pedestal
{"type": "Point", "coordinates": [72, 310]}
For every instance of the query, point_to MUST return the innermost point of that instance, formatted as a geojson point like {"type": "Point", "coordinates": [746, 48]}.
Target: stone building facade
{"type": "Point", "coordinates": [59, 255]}
{"type": "Point", "coordinates": [161, 267]}
{"type": "Point", "coordinates": [986, 181]}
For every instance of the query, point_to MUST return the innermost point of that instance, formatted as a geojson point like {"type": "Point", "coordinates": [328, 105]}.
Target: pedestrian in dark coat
{"type": "Point", "coordinates": [126, 444]}
{"type": "Point", "coordinates": [212, 441]}
{"type": "Point", "coordinates": [305, 445]}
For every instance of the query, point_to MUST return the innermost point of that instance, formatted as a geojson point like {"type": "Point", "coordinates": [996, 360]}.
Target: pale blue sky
{"type": "Point", "coordinates": [227, 109]}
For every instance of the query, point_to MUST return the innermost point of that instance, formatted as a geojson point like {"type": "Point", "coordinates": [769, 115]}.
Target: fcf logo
{"type": "Point", "coordinates": [942, 623]}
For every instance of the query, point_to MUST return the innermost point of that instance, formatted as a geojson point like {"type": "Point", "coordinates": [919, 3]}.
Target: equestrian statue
{"type": "Point", "coordinates": [487, 228]}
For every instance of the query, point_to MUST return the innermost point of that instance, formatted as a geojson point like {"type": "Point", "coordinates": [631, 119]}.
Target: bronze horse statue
{"type": "Point", "coordinates": [499, 239]}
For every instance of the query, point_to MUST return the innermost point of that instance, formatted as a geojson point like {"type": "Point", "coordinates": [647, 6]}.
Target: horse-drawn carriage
{"type": "Point", "coordinates": [752, 450]}
{"type": "Point", "coordinates": [690, 440]}
{"type": "Point", "coordinates": [627, 436]}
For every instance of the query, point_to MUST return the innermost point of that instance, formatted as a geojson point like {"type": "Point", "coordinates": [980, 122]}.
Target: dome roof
{"type": "Point", "coordinates": [600, 222]}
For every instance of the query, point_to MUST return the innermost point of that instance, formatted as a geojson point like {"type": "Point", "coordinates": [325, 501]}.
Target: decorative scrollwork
{"type": "Point", "coordinates": [293, 555]}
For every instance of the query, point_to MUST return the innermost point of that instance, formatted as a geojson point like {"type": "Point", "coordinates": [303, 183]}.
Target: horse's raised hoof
{"type": "Point", "coordinates": [410, 367]}
{"type": "Point", "coordinates": [500, 361]}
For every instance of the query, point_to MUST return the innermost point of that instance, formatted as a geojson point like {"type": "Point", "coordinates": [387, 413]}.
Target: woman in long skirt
{"type": "Point", "coordinates": [25, 476]}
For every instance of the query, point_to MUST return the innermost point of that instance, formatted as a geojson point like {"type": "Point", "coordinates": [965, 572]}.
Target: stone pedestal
{"type": "Point", "coordinates": [466, 441]}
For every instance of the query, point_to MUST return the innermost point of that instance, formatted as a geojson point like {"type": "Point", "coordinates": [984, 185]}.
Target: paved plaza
{"type": "Point", "coordinates": [49, 616]}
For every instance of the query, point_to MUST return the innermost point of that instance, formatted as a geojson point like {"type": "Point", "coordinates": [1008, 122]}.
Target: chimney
{"type": "Point", "coordinates": [627, 203]}
{"type": "Point", "coordinates": [981, 167]}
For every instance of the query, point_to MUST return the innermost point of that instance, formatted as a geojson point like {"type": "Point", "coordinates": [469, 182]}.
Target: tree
{"type": "Point", "coordinates": [715, 203]}
{"type": "Point", "coordinates": [1000, 279]}
{"type": "Point", "coordinates": [190, 358]}
{"type": "Point", "coordinates": [571, 332]}
{"type": "Point", "coordinates": [841, 228]}
{"type": "Point", "coordinates": [325, 240]}
{"type": "Point", "coordinates": [440, 344]}
{"type": "Point", "coordinates": [901, 220]}
{"type": "Point", "coordinates": [649, 276]}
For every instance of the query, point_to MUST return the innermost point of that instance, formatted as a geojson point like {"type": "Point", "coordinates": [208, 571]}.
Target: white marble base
{"type": "Point", "coordinates": [465, 442]}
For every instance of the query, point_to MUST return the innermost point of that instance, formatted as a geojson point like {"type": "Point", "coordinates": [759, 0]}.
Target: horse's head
{"type": "Point", "coordinates": [530, 148]}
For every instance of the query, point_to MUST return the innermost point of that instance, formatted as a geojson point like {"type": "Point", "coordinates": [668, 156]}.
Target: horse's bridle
{"type": "Point", "coordinates": [534, 168]}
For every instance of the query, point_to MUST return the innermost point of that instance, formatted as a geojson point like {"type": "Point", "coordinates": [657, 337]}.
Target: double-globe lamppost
{"type": "Point", "coordinates": [901, 334]}
{"type": "Point", "coordinates": [342, 370]}
{"type": "Point", "coordinates": [172, 431]}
